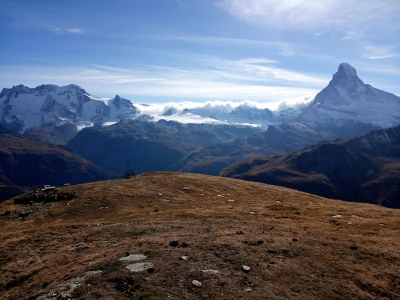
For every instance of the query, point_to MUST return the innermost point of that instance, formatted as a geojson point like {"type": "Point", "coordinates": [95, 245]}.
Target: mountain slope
{"type": "Point", "coordinates": [297, 245]}
{"type": "Point", "coordinates": [150, 146]}
{"type": "Point", "coordinates": [275, 140]}
{"type": "Point", "coordinates": [27, 164]}
{"type": "Point", "coordinates": [365, 168]}
{"type": "Point", "coordinates": [47, 132]}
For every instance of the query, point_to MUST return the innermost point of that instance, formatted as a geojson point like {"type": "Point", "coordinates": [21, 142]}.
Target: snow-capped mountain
{"type": "Point", "coordinates": [241, 114]}
{"type": "Point", "coordinates": [22, 107]}
{"type": "Point", "coordinates": [347, 99]}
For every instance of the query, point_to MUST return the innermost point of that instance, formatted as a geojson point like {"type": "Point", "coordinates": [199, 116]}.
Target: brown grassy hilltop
{"type": "Point", "coordinates": [297, 245]}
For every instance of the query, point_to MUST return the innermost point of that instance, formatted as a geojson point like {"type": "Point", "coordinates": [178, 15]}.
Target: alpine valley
{"type": "Point", "coordinates": [107, 132]}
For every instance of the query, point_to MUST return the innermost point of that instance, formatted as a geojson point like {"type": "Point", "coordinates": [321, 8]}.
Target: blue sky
{"type": "Point", "coordinates": [199, 50]}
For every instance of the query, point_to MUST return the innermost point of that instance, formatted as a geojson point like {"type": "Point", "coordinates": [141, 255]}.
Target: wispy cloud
{"type": "Point", "coordinates": [284, 48]}
{"type": "Point", "coordinates": [317, 15]}
{"type": "Point", "coordinates": [225, 81]}
{"type": "Point", "coordinates": [75, 30]}
{"type": "Point", "coordinates": [380, 51]}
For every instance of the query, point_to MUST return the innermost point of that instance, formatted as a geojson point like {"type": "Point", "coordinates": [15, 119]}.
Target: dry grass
{"type": "Point", "coordinates": [295, 247]}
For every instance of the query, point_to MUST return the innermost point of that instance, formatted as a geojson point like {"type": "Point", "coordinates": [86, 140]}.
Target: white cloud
{"type": "Point", "coordinates": [380, 51]}
{"type": "Point", "coordinates": [218, 107]}
{"type": "Point", "coordinates": [229, 80]}
{"type": "Point", "coordinates": [75, 30]}
{"type": "Point", "coordinates": [285, 48]}
{"type": "Point", "coordinates": [348, 16]}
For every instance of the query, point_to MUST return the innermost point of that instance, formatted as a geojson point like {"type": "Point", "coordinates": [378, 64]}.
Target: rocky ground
{"type": "Point", "coordinates": [186, 236]}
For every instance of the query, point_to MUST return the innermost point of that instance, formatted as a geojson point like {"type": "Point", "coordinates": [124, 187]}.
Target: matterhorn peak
{"type": "Point", "coordinates": [346, 77]}
{"type": "Point", "coordinates": [347, 70]}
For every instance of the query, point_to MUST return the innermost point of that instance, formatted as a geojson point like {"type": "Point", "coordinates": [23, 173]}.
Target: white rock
{"type": "Point", "coordinates": [184, 257]}
{"type": "Point", "coordinates": [248, 289]}
{"type": "Point", "coordinates": [245, 268]}
{"type": "Point", "coordinates": [337, 216]}
{"type": "Point", "coordinates": [252, 213]}
{"type": "Point", "coordinates": [197, 283]}
{"type": "Point", "coordinates": [210, 271]}
{"type": "Point", "coordinates": [133, 257]}
{"type": "Point", "coordinates": [140, 267]}
{"type": "Point", "coordinates": [186, 188]}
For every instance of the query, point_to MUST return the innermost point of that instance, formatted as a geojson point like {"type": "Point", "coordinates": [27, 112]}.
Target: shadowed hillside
{"type": "Point", "coordinates": [27, 164]}
{"type": "Point", "coordinates": [363, 169]}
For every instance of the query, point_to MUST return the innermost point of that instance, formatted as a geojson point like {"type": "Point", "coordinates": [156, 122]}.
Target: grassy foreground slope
{"type": "Point", "coordinates": [297, 245]}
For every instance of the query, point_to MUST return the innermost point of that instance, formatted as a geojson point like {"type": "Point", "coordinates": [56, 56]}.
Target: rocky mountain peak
{"type": "Point", "coordinates": [346, 69]}
{"type": "Point", "coordinates": [346, 77]}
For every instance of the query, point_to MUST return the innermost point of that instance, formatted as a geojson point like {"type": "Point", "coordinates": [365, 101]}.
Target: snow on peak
{"type": "Point", "coordinates": [348, 99]}
{"type": "Point", "coordinates": [25, 107]}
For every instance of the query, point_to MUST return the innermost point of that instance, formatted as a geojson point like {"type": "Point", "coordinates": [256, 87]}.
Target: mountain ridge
{"type": "Point", "coordinates": [365, 167]}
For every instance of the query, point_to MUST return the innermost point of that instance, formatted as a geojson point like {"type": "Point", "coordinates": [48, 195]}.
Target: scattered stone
{"type": "Point", "coordinates": [337, 216]}
{"type": "Point", "coordinates": [249, 289]}
{"type": "Point", "coordinates": [165, 200]}
{"type": "Point", "coordinates": [353, 247]}
{"type": "Point", "coordinates": [295, 240]}
{"type": "Point", "coordinates": [211, 271]}
{"type": "Point", "coordinates": [65, 290]}
{"type": "Point", "coordinates": [219, 196]}
{"type": "Point", "coordinates": [103, 207]}
{"type": "Point", "coordinates": [186, 188]}
{"type": "Point", "coordinates": [231, 200]}
{"type": "Point", "coordinates": [277, 201]}
{"type": "Point", "coordinates": [184, 257]}
{"type": "Point", "coordinates": [173, 243]}
{"type": "Point", "coordinates": [252, 213]}
{"type": "Point", "coordinates": [160, 194]}
{"type": "Point", "coordinates": [239, 232]}
{"type": "Point", "coordinates": [156, 210]}
{"type": "Point", "coordinates": [245, 269]}
{"type": "Point", "coordinates": [197, 283]}
{"type": "Point", "coordinates": [133, 257]}
{"type": "Point", "coordinates": [140, 267]}
{"type": "Point", "coordinates": [184, 245]}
